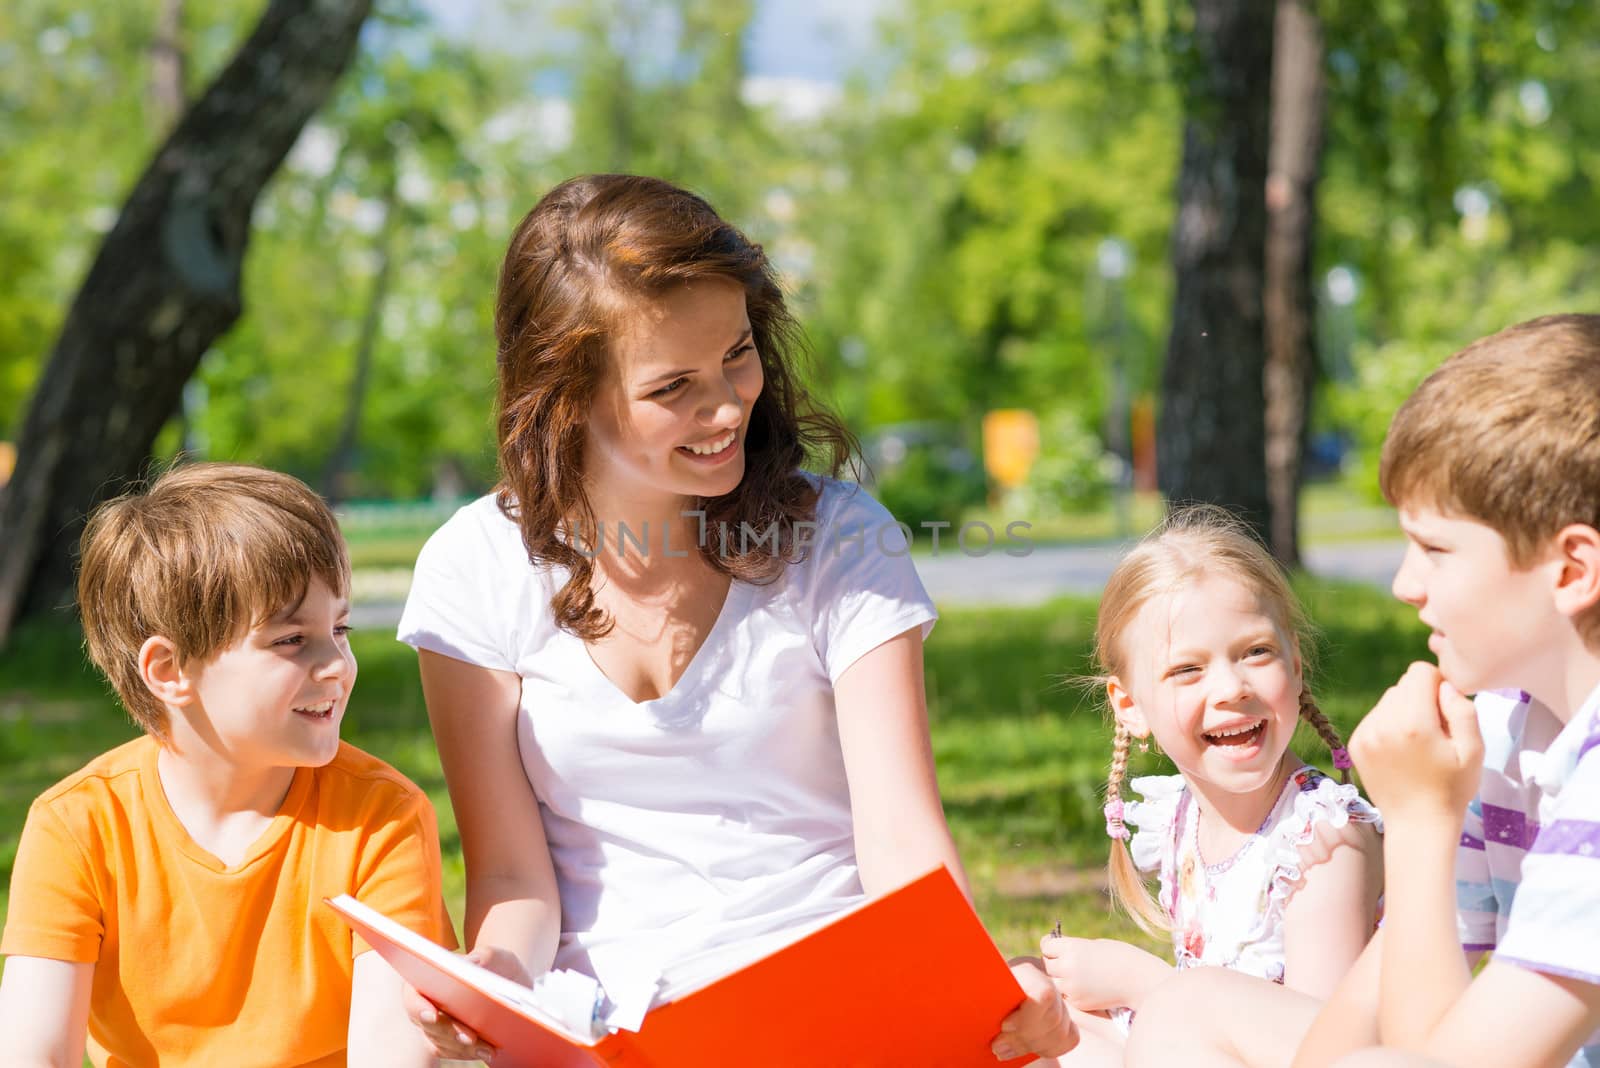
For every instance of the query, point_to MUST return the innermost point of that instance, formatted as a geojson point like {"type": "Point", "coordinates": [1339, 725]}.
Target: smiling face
{"type": "Point", "coordinates": [672, 412]}
{"type": "Point", "coordinates": [1492, 622]}
{"type": "Point", "coordinates": [1215, 677]}
{"type": "Point", "coordinates": [275, 697]}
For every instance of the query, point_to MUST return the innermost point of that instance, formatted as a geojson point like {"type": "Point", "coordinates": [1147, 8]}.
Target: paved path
{"type": "Point", "coordinates": [996, 579]}
{"type": "Point", "coordinates": [1050, 571]}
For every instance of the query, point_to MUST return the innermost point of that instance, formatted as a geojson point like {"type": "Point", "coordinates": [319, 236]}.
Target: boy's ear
{"type": "Point", "coordinates": [1125, 709]}
{"type": "Point", "coordinates": [162, 671]}
{"type": "Point", "coordinates": [1577, 548]}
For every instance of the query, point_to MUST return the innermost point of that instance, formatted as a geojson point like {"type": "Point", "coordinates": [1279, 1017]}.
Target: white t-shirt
{"type": "Point", "coordinates": [717, 814]}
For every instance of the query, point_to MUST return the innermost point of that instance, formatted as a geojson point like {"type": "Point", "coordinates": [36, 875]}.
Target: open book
{"type": "Point", "coordinates": [909, 978]}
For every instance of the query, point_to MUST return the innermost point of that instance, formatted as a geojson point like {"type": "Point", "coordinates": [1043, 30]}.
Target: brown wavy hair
{"type": "Point", "coordinates": [578, 268]}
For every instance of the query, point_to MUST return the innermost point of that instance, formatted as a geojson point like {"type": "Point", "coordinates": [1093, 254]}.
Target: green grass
{"type": "Point", "coordinates": [1021, 755]}
{"type": "Point", "coordinates": [377, 544]}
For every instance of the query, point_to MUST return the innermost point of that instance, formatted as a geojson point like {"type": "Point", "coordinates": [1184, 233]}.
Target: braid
{"type": "Point", "coordinates": [1127, 883]}
{"type": "Point", "coordinates": [1119, 765]}
{"type": "Point", "coordinates": [1326, 730]}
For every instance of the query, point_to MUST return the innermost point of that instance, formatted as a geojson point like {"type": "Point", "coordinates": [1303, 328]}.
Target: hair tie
{"type": "Point", "coordinates": [1341, 759]}
{"type": "Point", "coordinates": [1114, 827]}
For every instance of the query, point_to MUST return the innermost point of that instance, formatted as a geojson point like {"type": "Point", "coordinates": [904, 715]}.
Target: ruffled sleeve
{"type": "Point", "coordinates": [1319, 800]}
{"type": "Point", "coordinates": [1151, 817]}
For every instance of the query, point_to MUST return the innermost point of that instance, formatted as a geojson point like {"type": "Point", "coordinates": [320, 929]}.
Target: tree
{"type": "Point", "coordinates": [1210, 440]}
{"type": "Point", "coordinates": [956, 222]}
{"type": "Point", "coordinates": [403, 369]}
{"type": "Point", "coordinates": [1430, 100]}
{"type": "Point", "coordinates": [395, 126]}
{"type": "Point", "coordinates": [168, 59]}
{"type": "Point", "coordinates": [61, 177]}
{"type": "Point", "coordinates": [1294, 161]}
{"type": "Point", "coordinates": [163, 285]}
{"type": "Point", "coordinates": [657, 90]}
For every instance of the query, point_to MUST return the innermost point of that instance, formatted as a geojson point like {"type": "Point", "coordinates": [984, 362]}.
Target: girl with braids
{"type": "Point", "coordinates": [675, 679]}
{"type": "Point", "coordinates": [1265, 865]}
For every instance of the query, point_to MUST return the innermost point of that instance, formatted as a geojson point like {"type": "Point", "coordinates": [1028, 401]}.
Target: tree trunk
{"type": "Point", "coordinates": [163, 286]}
{"type": "Point", "coordinates": [168, 60]}
{"type": "Point", "coordinates": [1298, 102]}
{"type": "Point", "coordinates": [1210, 439]}
{"type": "Point", "coordinates": [335, 475]}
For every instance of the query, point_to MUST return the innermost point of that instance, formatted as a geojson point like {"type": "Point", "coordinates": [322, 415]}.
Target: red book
{"type": "Point", "coordinates": [909, 978]}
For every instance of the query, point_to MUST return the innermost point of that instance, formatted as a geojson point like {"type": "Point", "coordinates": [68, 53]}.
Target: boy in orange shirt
{"type": "Point", "coordinates": [167, 899]}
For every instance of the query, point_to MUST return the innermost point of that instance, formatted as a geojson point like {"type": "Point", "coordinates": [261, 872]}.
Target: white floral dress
{"type": "Point", "coordinates": [1230, 914]}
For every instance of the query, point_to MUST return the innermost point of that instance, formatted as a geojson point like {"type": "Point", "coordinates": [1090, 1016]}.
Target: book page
{"type": "Point", "coordinates": [687, 974]}
{"type": "Point", "coordinates": [564, 1001]}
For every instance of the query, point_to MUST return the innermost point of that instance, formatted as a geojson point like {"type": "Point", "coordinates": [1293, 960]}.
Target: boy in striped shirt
{"type": "Point", "coordinates": [1531, 838]}
{"type": "Point", "coordinates": [1494, 464]}
{"type": "Point", "coordinates": [1492, 824]}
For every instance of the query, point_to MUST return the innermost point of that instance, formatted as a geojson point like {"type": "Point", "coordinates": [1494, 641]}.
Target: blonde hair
{"type": "Point", "coordinates": [1507, 432]}
{"type": "Point", "coordinates": [1194, 541]}
{"type": "Point", "coordinates": [201, 555]}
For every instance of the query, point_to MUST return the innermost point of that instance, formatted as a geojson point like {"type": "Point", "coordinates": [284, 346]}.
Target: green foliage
{"type": "Point", "coordinates": [1072, 473]}
{"type": "Point", "coordinates": [388, 173]}
{"type": "Point", "coordinates": [968, 186]}
{"type": "Point", "coordinates": [431, 150]}
{"type": "Point", "coordinates": [658, 89]}
{"type": "Point", "coordinates": [1428, 97]}
{"type": "Point", "coordinates": [76, 120]}
{"type": "Point", "coordinates": [926, 488]}
{"type": "Point", "coordinates": [1475, 288]}
{"type": "Point", "coordinates": [1438, 111]}
{"type": "Point", "coordinates": [938, 225]}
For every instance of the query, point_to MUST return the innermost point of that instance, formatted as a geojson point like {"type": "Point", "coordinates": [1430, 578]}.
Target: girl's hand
{"type": "Point", "coordinates": [452, 1039]}
{"type": "Point", "coordinates": [1419, 749]}
{"type": "Point", "coordinates": [1040, 1025]}
{"type": "Point", "coordinates": [1097, 974]}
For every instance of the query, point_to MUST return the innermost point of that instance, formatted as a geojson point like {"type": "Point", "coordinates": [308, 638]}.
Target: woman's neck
{"type": "Point", "coordinates": [637, 536]}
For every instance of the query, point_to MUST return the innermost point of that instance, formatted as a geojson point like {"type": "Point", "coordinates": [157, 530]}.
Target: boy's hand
{"type": "Point", "coordinates": [1419, 749]}
{"type": "Point", "coordinates": [1040, 1025]}
{"type": "Point", "coordinates": [451, 1039]}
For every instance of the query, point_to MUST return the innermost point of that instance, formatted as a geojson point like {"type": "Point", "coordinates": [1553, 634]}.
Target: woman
{"type": "Point", "coordinates": [675, 681]}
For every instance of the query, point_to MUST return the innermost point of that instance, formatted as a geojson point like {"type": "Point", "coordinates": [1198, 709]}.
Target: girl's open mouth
{"type": "Point", "coordinates": [1235, 737]}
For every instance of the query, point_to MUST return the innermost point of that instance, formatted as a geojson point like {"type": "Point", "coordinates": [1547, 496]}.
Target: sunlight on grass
{"type": "Point", "coordinates": [1021, 752]}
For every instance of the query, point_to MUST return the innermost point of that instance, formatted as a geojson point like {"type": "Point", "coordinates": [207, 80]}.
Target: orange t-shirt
{"type": "Point", "coordinates": [201, 963]}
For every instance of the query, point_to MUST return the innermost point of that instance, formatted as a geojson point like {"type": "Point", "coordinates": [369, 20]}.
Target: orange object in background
{"type": "Point", "coordinates": [1010, 445]}
{"type": "Point", "coordinates": [8, 461]}
{"type": "Point", "coordinates": [1143, 435]}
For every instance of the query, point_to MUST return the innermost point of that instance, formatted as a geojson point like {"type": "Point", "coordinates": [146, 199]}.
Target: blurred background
{"type": "Point", "coordinates": [1058, 261]}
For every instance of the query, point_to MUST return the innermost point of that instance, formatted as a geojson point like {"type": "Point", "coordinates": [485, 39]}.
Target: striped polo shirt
{"type": "Point", "coordinates": [1528, 867]}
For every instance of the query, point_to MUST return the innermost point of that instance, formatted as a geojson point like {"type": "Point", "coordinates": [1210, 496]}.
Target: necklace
{"type": "Point", "coordinates": [1223, 865]}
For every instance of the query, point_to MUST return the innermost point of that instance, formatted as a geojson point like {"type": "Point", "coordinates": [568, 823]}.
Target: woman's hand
{"type": "Point", "coordinates": [452, 1039]}
{"type": "Point", "coordinates": [1040, 1025]}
